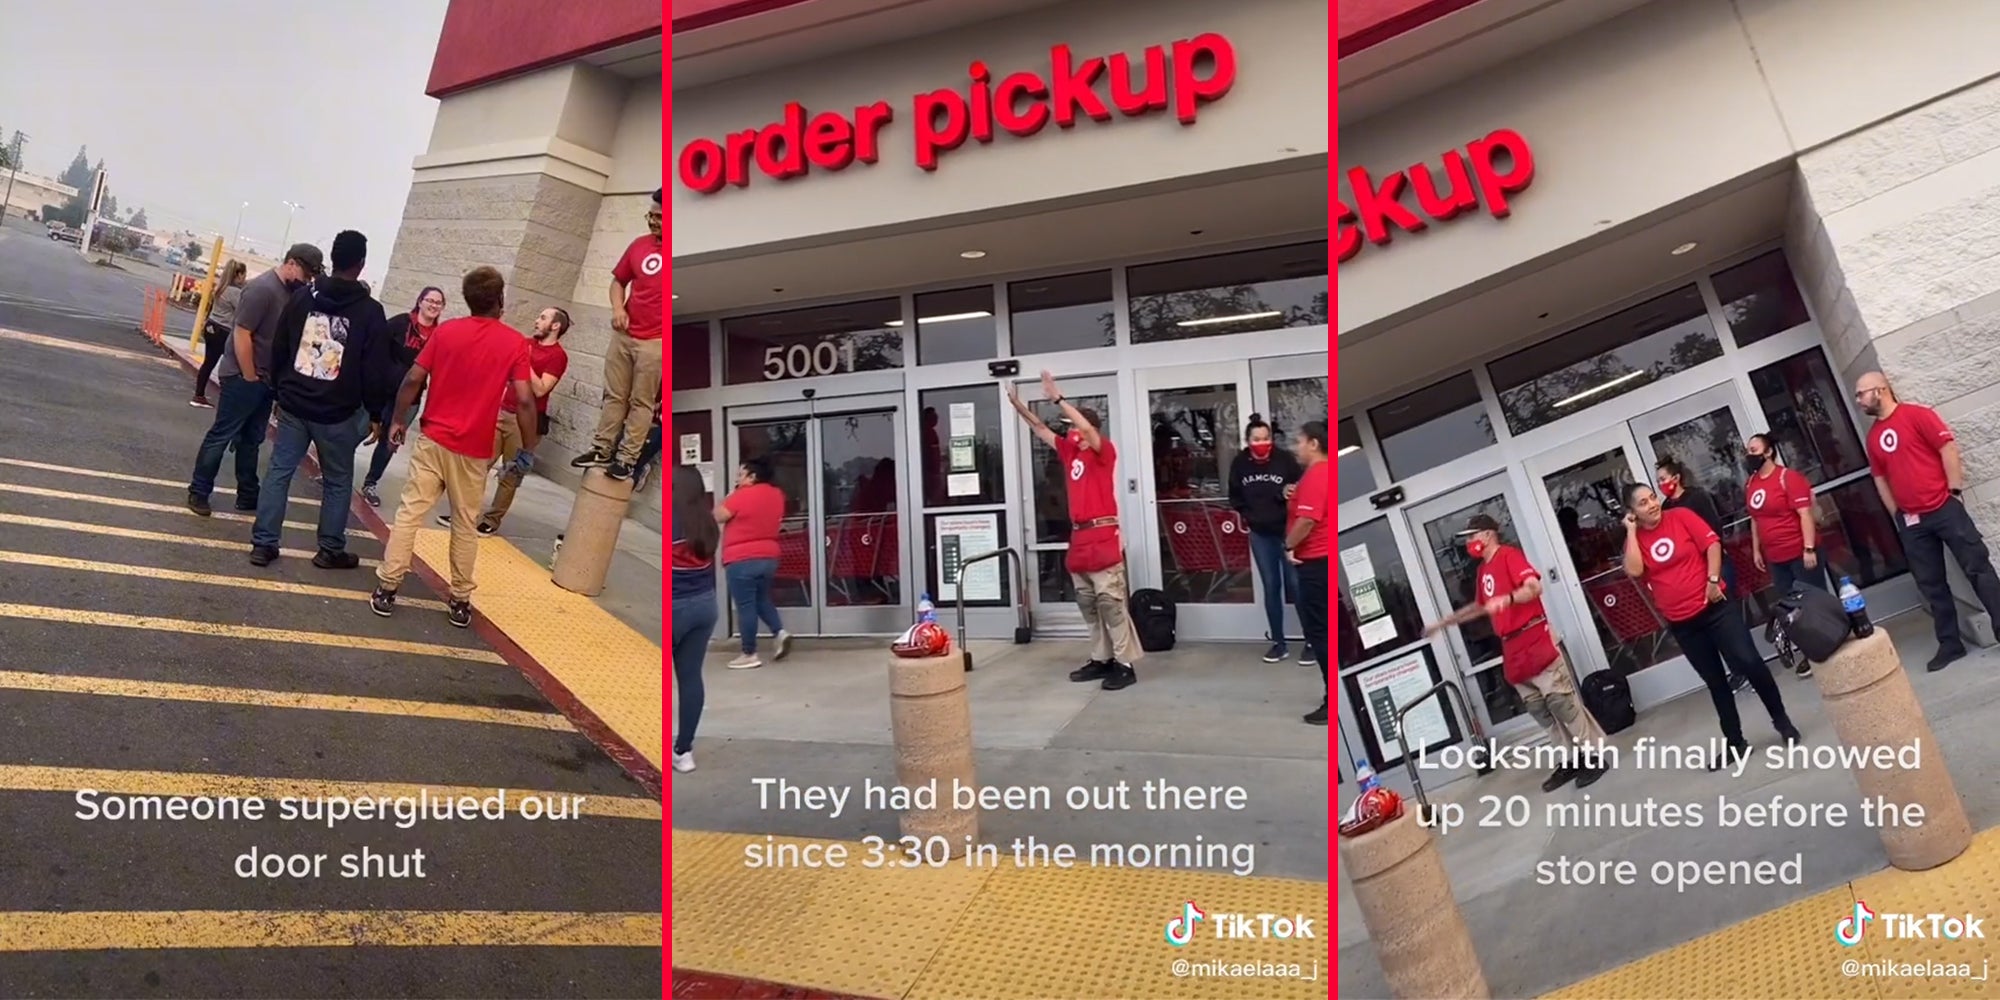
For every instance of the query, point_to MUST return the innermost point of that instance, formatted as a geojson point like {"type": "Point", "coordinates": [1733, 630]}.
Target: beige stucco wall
{"type": "Point", "coordinates": [1275, 112]}
{"type": "Point", "coordinates": [1642, 113]}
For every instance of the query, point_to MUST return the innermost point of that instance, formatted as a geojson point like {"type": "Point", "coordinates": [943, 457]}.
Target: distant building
{"type": "Point", "coordinates": [32, 191]}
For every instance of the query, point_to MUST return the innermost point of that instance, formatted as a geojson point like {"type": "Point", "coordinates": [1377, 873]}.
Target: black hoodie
{"type": "Point", "coordinates": [1257, 489]}
{"type": "Point", "coordinates": [333, 354]}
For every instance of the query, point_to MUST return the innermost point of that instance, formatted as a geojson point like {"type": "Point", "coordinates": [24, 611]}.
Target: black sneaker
{"type": "Point", "coordinates": [199, 504]}
{"type": "Point", "coordinates": [459, 613]}
{"type": "Point", "coordinates": [329, 559]}
{"type": "Point", "coordinates": [1734, 751]}
{"type": "Point", "coordinates": [1945, 658]}
{"type": "Point", "coordinates": [1587, 775]}
{"type": "Point", "coordinates": [383, 602]}
{"type": "Point", "coordinates": [247, 506]}
{"type": "Point", "coordinates": [1790, 734]}
{"type": "Point", "coordinates": [1737, 682]}
{"type": "Point", "coordinates": [1317, 717]}
{"type": "Point", "coordinates": [486, 529]}
{"type": "Point", "coordinates": [592, 459]}
{"type": "Point", "coordinates": [1095, 670]}
{"type": "Point", "coordinates": [1561, 777]}
{"type": "Point", "coordinates": [618, 471]}
{"type": "Point", "coordinates": [263, 555]}
{"type": "Point", "coordinates": [371, 494]}
{"type": "Point", "coordinates": [1277, 653]}
{"type": "Point", "coordinates": [1805, 667]}
{"type": "Point", "coordinates": [1120, 677]}
{"type": "Point", "coordinates": [1306, 657]}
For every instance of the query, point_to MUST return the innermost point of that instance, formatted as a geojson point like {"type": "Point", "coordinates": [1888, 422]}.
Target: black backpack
{"type": "Point", "coordinates": [1813, 621]}
{"type": "Point", "coordinates": [1609, 699]}
{"type": "Point", "coordinates": [1153, 617]}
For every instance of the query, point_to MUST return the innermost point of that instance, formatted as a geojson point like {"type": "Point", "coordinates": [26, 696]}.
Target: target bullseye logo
{"type": "Point", "coordinates": [1663, 550]}
{"type": "Point", "coordinates": [1611, 600]}
{"type": "Point", "coordinates": [1486, 585]}
{"type": "Point", "coordinates": [1180, 527]}
{"type": "Point", "coordinates": [1757, 500]}
{"type": "Point", "coordinates": [1076, 469]}
{"type": "Point", "coordinates": [650, 265]}
{"type": "Point", "coordinates": [1229, 527]}
{"type": "Point", "coordinates": [1889, 441]}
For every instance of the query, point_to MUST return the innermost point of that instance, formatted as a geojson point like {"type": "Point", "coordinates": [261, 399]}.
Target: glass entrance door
{"type": "Point", "coordinates": [1045, 532]}
{"type": "Point", "coordinates": [842, 544]}
{"type": "Point", "coordinates": [1288, 394]}
{"type": "Point", "coordinates": [1198, 546]}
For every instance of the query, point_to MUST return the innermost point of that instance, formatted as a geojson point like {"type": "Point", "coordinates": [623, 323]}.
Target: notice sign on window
{"type": "Point", "coordinates": [1387, 688]}
{"type": "Point", "coordinates": [961, 537]}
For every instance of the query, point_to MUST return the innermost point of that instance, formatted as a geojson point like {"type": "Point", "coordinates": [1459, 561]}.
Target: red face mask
{"type": "Point", "coordinates": [1260, 450]}
{"type": "Point", "coordinates": [1476, 548]}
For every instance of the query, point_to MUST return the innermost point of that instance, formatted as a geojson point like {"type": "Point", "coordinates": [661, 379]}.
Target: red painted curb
{"type": "Point", "coordinates": [565, 701]}
{"type": "Point", "coordinates": [690, 984]}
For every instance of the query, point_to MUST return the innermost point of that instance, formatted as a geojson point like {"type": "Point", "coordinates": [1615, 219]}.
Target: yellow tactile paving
{"type": "Point", "coordinates": [971, 933]}
{"type": "Point", "coordinates": [93, 931]}
{"type": "Point", "coordinates": [1791, 951]}
{"type": "Point", "coordinates": [613, 670]}
{"type": "Point", "coordinates": [108, 531]}
{"type": "Point", "coordinates": [115, 687]}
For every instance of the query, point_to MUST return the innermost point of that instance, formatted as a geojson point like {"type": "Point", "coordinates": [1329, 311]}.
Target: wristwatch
{"type": "Point", "coordinates": [1812, 550]}
{"type": "Point", "coordinates": [1715, 579]}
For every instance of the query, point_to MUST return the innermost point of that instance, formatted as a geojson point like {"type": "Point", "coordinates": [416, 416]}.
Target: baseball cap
{"type": "Point", "coordinates": [656, 195]}
{"type": "Point", "coordinates": [309, 255]}
{"type": "Point", "coordinates": [1479, 523]}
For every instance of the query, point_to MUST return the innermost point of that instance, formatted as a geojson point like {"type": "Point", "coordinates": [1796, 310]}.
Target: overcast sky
{"type": "Point", "coordinates": [320, 104]}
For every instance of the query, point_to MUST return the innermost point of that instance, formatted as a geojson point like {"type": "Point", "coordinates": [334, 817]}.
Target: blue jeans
{"type": "Point", "coordinates": [242, 412]}
{"type": "Point", "coordinates": [750, 590]}
{"type": "Point", "coordinates": [336, 444]}
{"type": "Point", "coordinates": [1280, 579]}
{"type": "Point", "coordinates": [694, 623]}
{"type": "Point", "coordinates": [650, 452]}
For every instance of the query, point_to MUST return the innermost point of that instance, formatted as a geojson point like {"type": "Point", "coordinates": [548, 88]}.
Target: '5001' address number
{"type": "Point", "coordinates": [804, 360]}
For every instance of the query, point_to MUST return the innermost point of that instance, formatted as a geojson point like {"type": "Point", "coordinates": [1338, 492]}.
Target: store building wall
{"type": "Point", "coordinates": [1257, 126]}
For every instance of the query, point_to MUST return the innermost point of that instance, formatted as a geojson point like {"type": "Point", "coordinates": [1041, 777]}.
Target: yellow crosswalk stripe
{"type": "Point", "coordinates": [159, 508]}
{"type": "Point", "coordinates": [179, 484]}
{"type": "Point", "coordinates": [36, 778]}
{"type": "Point", "coordinates": [207, 579]}
{"type": "Point", "coordinates": [137, 535]}
{"type": "Point", "coordinates": [120, 930]}
{"type": "Point", "coordinates": [17, 680]}
{"type": "Point", "coordinates": [108, 619]}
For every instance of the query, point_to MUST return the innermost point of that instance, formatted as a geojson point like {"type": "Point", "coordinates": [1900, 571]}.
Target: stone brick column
{"type": "Point", "coordinates": [1894, 232]}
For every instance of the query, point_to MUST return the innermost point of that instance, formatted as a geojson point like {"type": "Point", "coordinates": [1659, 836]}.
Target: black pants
{"type": "Point", "coordinates": [214, 341]}
{"type": "Point", "coordinates": [1718, 635]}
{"type": "Point", "coordinates": [1950, 527]}
{"type": "Point", "coordinates": [1313, 595]}
{"type": "Point", "coordinates": [1793, 572]}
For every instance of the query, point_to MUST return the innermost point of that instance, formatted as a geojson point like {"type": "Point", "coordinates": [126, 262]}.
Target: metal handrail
{"type": "Point", "coordinates": [1024, 625]}
{"type": "Point", "coordinates": [1403, 735]}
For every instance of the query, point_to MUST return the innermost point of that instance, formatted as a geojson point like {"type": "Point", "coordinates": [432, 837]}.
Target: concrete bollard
{"type": "Point", "coordinates": [1406, 902]}
{"type": "Point", "coordinates": [1870, 703]}
{"type": "Point", "coordinates": [592, 535]}
{"type": "Point", "coordinates": [931, 723]}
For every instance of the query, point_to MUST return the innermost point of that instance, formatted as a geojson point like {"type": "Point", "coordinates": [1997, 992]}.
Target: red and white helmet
{"type": "Point", "coordinates": [1375, 807]}
{"type": "Point", "coordinates": [924, 639]}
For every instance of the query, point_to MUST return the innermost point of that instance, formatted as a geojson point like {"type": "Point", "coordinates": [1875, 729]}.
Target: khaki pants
{"type": "Point", "coordinates": [1551, 699]}
{"type": "Point", "coordinates": [506, 444]}
{"type": "Point", "coordinates": [1101, 597]}
{"type": "Point", "coordinates": [435, 471]}
{"type": "Point", "coordinates": [631, 392]}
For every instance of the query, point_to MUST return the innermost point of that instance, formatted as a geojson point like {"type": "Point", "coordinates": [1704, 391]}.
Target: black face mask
{"type": "Point", "coordinates": [1754, 463]}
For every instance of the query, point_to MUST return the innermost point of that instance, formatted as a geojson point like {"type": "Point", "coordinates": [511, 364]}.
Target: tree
{"type": "Point", "coordinates": [110, 209]}
{"type": "Point", "coordinates": [193, 249]}
{"type": "Point", "coordinates": [6, 152]}
{"type": "Point", "coordinates": [138, 219]}
{"type": "Point", "coordinates": [78, 175]}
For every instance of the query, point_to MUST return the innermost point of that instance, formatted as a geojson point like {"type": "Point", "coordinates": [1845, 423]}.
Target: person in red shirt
{"type": "Point", "coordinates": [1096, 549]}
{"type": "Point", "coordinates": [1677, 557]}
{"type": "Point", "coordinates": [1783, 535]}
{"type": "Point", "coordinates": [547, 361]}
{"type": "Point", "coordinates": [1508, 590]}
{"type": "Point", "coordinates": [632, 362]}
{"type": "Point", "coordinates": [1920, 475]}
{"type": "Point", "coordinates": [752, 518]}
{"type": "Point", "coordinates": [467, 363]}
{"type": "Point", "coordinates": [1309, 543]}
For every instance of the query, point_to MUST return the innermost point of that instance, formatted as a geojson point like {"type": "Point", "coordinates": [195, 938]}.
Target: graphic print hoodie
{"type": "Point", "coordinates": [333, 354]}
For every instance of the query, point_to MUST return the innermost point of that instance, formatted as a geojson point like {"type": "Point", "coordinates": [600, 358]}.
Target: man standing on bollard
{"type": "Point", "coordinates": [1096, 549]}
{"type": "Point", "coordinates": [1508, 590]}
{"type": "Point", "coordinates": [1920, 475]}
{"type": "Point", "coordinates": [632, 362]}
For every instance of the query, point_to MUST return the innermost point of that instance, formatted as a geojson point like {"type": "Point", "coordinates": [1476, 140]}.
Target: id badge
{"type": "Point", "coordinates": [1910, 520]}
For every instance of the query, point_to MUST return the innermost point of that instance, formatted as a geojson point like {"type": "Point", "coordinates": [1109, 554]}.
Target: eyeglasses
{"type": "Point", "coordinates": [1865, 393]}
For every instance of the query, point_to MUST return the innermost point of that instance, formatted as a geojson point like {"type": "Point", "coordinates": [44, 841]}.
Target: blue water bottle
{"type": "Point", "coordinates": [1856, 607]}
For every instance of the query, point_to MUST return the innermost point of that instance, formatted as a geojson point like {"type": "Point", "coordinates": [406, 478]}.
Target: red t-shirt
{"type": "Point", "coordinates": [1676, 558]}
{"type": "Point", "coordinates": [471, 360]}
{"type": "Point", "coordinates": [543, 359]}
{"type": "Point", "coordinates": [1093, 494]}
{"type": "Point", "coordinates": [1524, 651]}
{"type": "Point", "coordinates": [1905, 448]}
{"type": "Point", "coordinates": [753, 532]}
{"type": "Point", "coordinates": [639, 271]}
{"type": "Point", "coordinates": [1309, 500]}
{"type": "Point", "coordinates": [1774, 503]}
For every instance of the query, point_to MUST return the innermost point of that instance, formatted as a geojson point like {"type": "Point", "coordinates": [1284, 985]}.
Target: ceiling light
{"type": "Point", "coordinates": [1594, 390]}
{"type": "Point", "coordinates": [1685, 248]}
{"type": "Point", "coordinates": [972, 254]}
{"type": "Point", "coordinates": [947, 318]}
{"type": "Point", "coordinates": [1213, 320]}
{"type": "Point", "coordinates": [1349, 450]}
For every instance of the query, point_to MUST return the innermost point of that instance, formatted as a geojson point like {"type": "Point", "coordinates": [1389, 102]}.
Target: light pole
{"type": "Point", "coordinates": [239, 226]}
{"type": "Point", "coordinates": [290, 209]}
{"type": "Point", "coordinates": [13, 167]}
